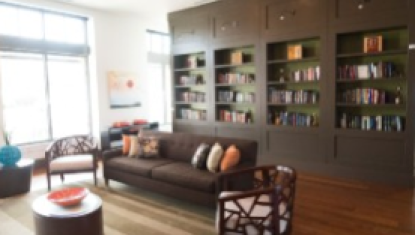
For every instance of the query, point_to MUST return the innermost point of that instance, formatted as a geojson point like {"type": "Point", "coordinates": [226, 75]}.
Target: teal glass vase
{"type": "Point", "coordinates": [9, 155]}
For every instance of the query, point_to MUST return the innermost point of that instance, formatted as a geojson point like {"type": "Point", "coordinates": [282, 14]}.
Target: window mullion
{"type": "Point", "coordinates": [47, 96]}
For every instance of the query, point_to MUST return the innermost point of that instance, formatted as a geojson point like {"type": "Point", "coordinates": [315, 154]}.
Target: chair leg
{"type": "Point", "coordinates": [48, 179]}
{"type": "Point", "coordinates": [62, 178]}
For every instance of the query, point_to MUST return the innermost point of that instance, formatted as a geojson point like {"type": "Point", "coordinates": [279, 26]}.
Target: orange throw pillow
{"type": "Point", "coordinates": [126, 143]}
{"type": "Point", "coordinates": [230, 158]}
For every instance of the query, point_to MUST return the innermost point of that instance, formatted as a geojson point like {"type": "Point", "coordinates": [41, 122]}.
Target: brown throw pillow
{"type": "Point", "coordinates": [230, 158]}
{"type": "Point", "coordinates": [200, 157]}
{"type": "Point", "coordinates": [148, 147]}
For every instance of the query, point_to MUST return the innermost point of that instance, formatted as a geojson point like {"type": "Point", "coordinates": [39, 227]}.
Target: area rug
{"type": "Point", "coordinates": [126, 211]}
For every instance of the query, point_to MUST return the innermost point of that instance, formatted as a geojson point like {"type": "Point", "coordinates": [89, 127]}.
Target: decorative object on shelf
{"type": "Point", "coordinates": [294, 52]}
{"type": "Point", "coordinates": [237, 57]}
{"type": "Point", "coordinates": [68, 197]}
{"type": "Point", "coordinates": [123, 89]}
{"type": "Point", "coordinates": [373, 44]}
{"type": "Point", "coordinates": [9, 154]}
{"type": "Point", "coordinates": [282, 75]}
{"type": "Point", "coordinates": [398, 96]}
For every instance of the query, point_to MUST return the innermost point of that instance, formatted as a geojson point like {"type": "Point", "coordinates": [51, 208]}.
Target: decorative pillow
{"type": "Point", "coordinates": [230, 158]}
{"type": "Point", "coordinates": [134, 147]}
{"type": "Point", "coordinates": [200, 156]}
{"type": "Point", "coordinates": [214, 157]}
{"type": "Point", "coordinates": [148, 147]}
{"type": "Point", "coordinates": [126, 143]}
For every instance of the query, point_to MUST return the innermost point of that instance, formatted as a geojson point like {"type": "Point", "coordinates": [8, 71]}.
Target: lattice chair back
{"type": "Point", "coordinates": [267, 209]}
{"type": "Point", "coordinates": [73, 145]}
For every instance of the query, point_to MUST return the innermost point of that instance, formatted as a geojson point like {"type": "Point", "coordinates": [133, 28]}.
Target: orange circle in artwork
{"type": "Point", "coordinates": [130, 83]}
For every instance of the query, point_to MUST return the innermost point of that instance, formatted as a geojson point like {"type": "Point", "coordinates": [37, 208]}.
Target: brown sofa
{"type": "Point", "coordinates": [172, 173]}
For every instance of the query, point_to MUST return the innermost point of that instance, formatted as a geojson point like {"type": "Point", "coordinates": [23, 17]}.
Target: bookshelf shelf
{"type": "Point", "coordinates": [372, 54]}
{"type": "Point", "coordinates": [285, 61]}
{"type": "Point", "coordinates": [190, 87]}
{"type": "Point", "coordinates": [293, 84]}
{"type": "Point", "coordinates": [372, 80]}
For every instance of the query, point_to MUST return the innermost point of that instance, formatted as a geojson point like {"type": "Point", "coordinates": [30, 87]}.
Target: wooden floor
{"type": "Point", "coordinates": [326, 206]}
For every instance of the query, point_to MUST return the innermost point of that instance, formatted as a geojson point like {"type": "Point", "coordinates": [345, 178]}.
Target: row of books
{"type": "Point", "coordinates": [192, 114]}
{"type": "Point", "coordinates": [191, 80]}
{"type": "Point", "coordinates": [235, 78]}
{"type": "Point", "coordinates": [226, 115]}
{"type": "Point", "coordinates": [367, 71]}
{"type": "Point", "coordinates": [194, 61]}
{"type": "Point", "coordinates": [366, 96]}
{"type": "Point", "coordinates": [284, 118]}
{"type": "Point", "coordinates": [292, 96]}
{"type": "Point", "coordinates": [236, 96]}
{"type": "Point", "coordinates": [378, 123]}
{"type": "Point", "coordinates": [192, 96]}
{"type": "Point", "coordinates": [309, 74]}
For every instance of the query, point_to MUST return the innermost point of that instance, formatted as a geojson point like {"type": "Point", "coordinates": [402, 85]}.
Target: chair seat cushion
{"type": "Point", "coordinates": [138, 166]}
{"type": "Point", "coordinates": [183, 174]}
{"type": "Point", "coordinates": [72, 163]}
{"type": "Point", "coordinates": [246, 204]}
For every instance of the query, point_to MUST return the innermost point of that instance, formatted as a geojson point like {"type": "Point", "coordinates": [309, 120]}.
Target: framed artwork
{"type": "Point", "coordinates": [123, 90]}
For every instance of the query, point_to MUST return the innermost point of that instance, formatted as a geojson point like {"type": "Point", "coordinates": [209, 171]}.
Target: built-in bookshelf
{"type": "Point", "coordinates": [190, 90]}
{"type": "Point", "coordinates": [235, 85]}
{"type": "Point", "coordinates": [293, 83]}
{"type": "Point", "coordinates": [371, 82]}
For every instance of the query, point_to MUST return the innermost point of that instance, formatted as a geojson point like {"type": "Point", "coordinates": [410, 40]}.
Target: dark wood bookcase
{"type": "Point", "coordinates": [293, 84]}
{"type": "Point", "coordinates": [190, 88]}
{"type": "Point", "coordinates": [305, 111]}
{"type": "Point", "coordinates": [235, 78]}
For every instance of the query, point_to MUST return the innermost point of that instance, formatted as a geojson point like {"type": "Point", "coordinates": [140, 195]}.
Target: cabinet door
{"type": "Point", "coordinates": [235, 19]}
{"type": "Point", "coordinates": [366, 11]}
{"type": "Point", "coordinates": [287, 16]}
{"type": "Point", "coordinates": [189, 27]}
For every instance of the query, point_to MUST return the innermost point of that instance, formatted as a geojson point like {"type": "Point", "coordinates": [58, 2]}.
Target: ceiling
{"type": "Point", "coordinates": [138, 6]}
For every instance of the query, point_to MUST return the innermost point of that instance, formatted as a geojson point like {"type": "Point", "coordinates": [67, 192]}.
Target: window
{"type": "Point", "coordinates": [158, 55]}
{"type": "Point", "coordinates": [44, 84]}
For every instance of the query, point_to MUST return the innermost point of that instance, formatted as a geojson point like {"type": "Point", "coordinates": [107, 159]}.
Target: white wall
{"type": "Point", "coordinates": [118, 43]}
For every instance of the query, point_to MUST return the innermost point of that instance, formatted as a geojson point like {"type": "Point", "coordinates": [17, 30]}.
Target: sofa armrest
{"type": "Point", "coordinates": [108, 154]}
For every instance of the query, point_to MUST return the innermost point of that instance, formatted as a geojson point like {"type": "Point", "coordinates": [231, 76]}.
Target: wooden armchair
{"type": "Point", "coordinates": [268, 208]}
{"type": "Point", "coordinates": [72, 154]}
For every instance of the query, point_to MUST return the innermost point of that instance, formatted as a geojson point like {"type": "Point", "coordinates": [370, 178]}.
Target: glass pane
{"type": "Point", "coordinates": [156, 43]}
{"type": "Point", "coordinates": [30, 24]}
{"type": "Point", "coordinates": [68, 94]}
{"type": "Point", "coordinates": [168, 95]}
{"type": "Point", "coordinates": [157, 109]}
{"type": "Point", "coordinates": [64, 29]}
{"type": "Point", "coordinates": [24, 97]}
{"type": "Point", "coordinates": [9, 21]}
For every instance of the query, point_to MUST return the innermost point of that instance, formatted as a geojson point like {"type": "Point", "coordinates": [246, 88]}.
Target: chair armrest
{"type": "Point", "coordinates": [108, 154]}
{"type": "Point", "coordinates": [239, 195]}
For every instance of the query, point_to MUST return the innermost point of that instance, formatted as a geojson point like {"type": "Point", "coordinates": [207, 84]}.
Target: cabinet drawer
{"type": "Point", "coordinates": [233, 19]}
{"type": "Point", "coordinates": [190, 27]}
{"type": "Point", "coordinates": [368, 10]}
{"type": "Point", "coordinates": [286, 16]}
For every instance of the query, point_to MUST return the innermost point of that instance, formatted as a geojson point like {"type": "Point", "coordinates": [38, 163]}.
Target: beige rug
{"type": "Point", "coordinates": [126, 211]}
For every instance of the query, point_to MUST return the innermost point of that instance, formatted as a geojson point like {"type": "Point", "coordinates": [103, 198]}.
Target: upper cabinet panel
{"type": "Point", "coordinates": [235, 20]}
{"type": "Point", "coordinates": [291, 16]}
{"type": "Point", "coordinates": [190, 27]}
{"type": "Point", "coordinates": [370, 12]}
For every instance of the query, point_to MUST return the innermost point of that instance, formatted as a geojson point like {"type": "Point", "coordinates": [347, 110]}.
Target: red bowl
{"type": "Point", "coordinates": [68, 196]}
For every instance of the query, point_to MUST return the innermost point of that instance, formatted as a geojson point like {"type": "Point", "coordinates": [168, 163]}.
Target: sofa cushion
{"type": "Point", "coordinates": [183, 174]}
{"type": "Point", "coordinates": [138, 166]}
